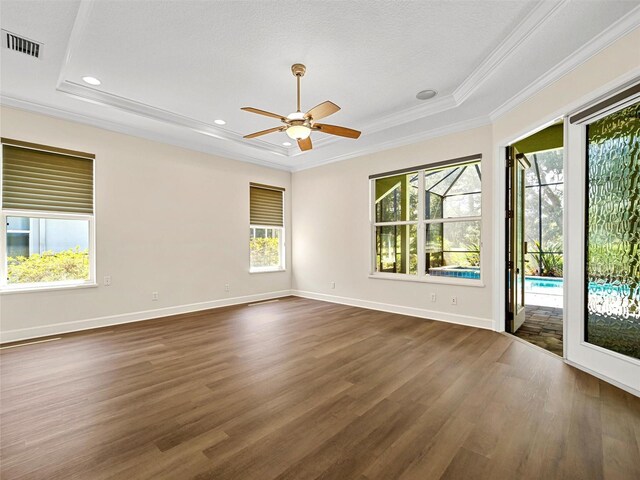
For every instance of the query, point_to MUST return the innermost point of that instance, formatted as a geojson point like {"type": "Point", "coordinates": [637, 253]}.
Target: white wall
{"type": "Point", "coordinates": [331, 212]}
{"type": "Point", "coordinates": [168, 219]}
{"type": "Point", "coordinates": [332, 234]}
{"type": "Point", "coordinates": [331, 202]}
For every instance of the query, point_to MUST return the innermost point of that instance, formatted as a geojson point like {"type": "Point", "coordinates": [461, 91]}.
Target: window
{"type": "Point", "coordinates": [266, 218]}
{"type": "Point", "coordinates": [426, 221]}
{"type": "Point", "coordinates": [47, 217]}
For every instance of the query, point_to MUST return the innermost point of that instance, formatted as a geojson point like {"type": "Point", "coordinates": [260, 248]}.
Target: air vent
{"type": "Point", "coordinates": [21, 44]}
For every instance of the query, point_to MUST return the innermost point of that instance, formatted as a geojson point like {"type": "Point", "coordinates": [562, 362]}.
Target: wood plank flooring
{"type": "Point", "coordinates": [301, 389]}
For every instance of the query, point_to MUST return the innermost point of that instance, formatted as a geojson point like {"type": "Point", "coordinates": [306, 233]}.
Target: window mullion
{"type": "Point", "coordinates": [391, 224]}
{"type": "Point", "coordinates": [3, 244]}
{"type": "Point", "coordinates": [453, 219]}
{"type": "Point", "coordinates": [421, 225]}
{"type": "Point", "coordinates": [282, 249]}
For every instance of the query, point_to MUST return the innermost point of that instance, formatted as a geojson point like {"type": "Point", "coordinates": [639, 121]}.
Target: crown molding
{"type": "Point", "coordinates": [78, 28]}
{"type": "Point", "coordinates": [625, 25]}
{"type": "Point", "coordinates": [55, 112]}
{"type": "Point", "coordinates": [395, 119]}
{"type": "Point", "coordinates": [232, 145]}
{"type": "Point", "coordinates": [536, 17]}
{"type": "Point", "coordinates": [399, 142]}
{"type": "Point", "coordinates": [534, 20]}
{"type": "Point", "coordinates": [99, 97]}
{"type": "Point", "coordinates": [523, 30]}
{"type": "Point", "coordinates": [566, 110]}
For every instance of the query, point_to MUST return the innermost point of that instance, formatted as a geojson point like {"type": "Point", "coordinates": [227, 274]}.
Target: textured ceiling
{"type": "Point", "coordinates": [170, 68]}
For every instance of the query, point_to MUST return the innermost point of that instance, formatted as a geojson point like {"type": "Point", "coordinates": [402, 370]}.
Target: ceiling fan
{"type": "Point", "coordinates": [298, 125]}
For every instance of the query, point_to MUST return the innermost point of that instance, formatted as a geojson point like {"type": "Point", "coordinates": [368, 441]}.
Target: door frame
{"type": "Point", "coordinates": [499, 207]}
{"type": "Point", "coordinates": [581, 353]}
{"type": "Point", "coordinates": [500, 296]}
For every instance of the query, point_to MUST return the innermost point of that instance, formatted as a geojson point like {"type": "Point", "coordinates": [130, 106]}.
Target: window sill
{"type": "Point", "coordinates": [275, 270]}
{"type": "Point", "coordinates": [45, 288]}
{"type": "Point", "coordinates": [460, 282]}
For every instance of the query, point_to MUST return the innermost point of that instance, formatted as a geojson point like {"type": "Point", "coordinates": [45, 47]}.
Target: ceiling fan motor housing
{"type": "Point", "coordinates": [298, 69]}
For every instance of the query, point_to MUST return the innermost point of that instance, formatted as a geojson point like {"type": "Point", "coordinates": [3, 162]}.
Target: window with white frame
{"type": "Point", "coordinates": [427, 221]}
{"type": "Point", "coordinates": [47, 217]}
{"type": "Point", "coordinates": [266, 228]}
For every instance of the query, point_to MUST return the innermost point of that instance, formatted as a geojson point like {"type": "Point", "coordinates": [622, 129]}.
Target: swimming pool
{"type": "Point", "coordinates": [545, 285]}
{"type": "Point", "coordinates": [458, 272]}
{"type": "Point", "coordinates": [541, 285]}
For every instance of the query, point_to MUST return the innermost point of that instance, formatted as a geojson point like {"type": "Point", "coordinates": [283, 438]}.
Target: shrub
{"type": "Point", "coordinates": [548, 264]}
{"type": "Point", "coordinates": [265, 252]}
{"type": "Point", "coordinates": [72, 264]}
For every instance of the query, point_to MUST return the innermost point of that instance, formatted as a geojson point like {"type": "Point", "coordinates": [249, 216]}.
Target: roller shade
{"type": "Point", "coordinates": [266, 205]}
{"type": "Point", "coordinates": [44, 180]}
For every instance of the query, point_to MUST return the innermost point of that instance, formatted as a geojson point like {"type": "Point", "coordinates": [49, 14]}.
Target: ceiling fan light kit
{"type": "Point", "coordinates": [298, 125]}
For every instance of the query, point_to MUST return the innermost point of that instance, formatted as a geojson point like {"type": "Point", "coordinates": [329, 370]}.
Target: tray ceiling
{"type": "Point", "coordinates": [170, 68]}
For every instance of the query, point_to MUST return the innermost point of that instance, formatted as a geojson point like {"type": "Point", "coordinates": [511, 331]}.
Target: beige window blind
{"type": "Point", "coordinates": [266, 205]}
{"type": "Point", "coordinates": [49, 179]}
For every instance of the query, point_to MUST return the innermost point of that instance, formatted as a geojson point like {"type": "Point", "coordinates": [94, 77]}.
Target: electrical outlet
{"type": "Point", "coordinates": [454, 300]}
{"type": "Point", "coordinates": [433, 297]}
{"type": "Point", "coordinates": [332, 285]}
{"type": "Point", "coordinates": [154, 296]}
{"type": "Point", "coordinates": [226, 287]}
{"type": "Point", "coordinates": [107, 280]}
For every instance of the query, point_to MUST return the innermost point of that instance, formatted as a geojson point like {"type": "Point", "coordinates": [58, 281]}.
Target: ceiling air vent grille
{"type": "Point", "coordinates": [20, 44]}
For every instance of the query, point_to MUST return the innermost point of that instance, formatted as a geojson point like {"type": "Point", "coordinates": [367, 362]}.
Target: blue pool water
{"type": "Point", "coordinates": [550, 286]}
{"type": "Point", "coordinates": [545, 285]}
{"type": "Point", "coordinates": [542, 285]}
{"type": "Point", "coordinates": [457, 272]}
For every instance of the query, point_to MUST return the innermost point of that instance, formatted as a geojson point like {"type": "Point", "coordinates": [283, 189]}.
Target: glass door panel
{"type": "Point", "coordinates": [516, 239]}
{"type": "Point", "coordinates": [612, 283]}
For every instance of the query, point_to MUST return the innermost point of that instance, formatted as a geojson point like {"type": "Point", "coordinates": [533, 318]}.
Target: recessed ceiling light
{"type": "Point", "coordinates": [219, 122]}
{"type": "Point", "coordinates": [91, 80]}
{"type": "Point", "coordinates": [426, 94]}
{"type": "Point", "coordinates": [286, 144]}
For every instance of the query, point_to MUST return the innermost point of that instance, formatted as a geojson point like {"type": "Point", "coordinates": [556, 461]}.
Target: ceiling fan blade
{"type": "Point", "coordinates": [305, 144]}
{"type": "Point", "coordinates": [263, 112]}
{"type": "Point", "coordinates": [335, 130]}
{"type": "Point", "coordinates": [323, 110]}
{"type": "Point", "coordinates": [264, 132]}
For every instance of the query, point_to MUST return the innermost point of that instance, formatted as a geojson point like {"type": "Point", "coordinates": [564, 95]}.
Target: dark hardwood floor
{"type": "Point", "coordinates": [300, 389]}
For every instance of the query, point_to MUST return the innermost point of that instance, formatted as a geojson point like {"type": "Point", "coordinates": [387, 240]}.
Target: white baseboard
{"type": "Point", "coordinates": [470, 321]}
{"type": "Point", "coordinates": [604, 378]}
{"type": "Point", "coordinates": [79, 325]}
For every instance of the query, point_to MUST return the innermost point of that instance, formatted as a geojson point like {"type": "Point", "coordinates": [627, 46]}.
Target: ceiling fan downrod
{"type": "Point", "coordinates": [298, 71]}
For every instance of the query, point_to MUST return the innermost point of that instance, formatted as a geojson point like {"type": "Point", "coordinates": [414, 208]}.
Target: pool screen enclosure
{"type": "Point", "coordinates": [442, 224]}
